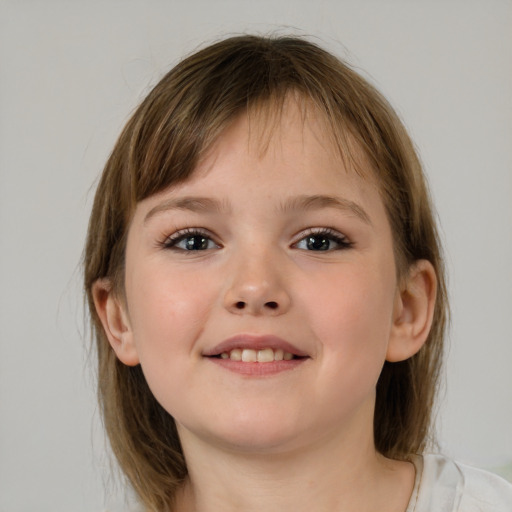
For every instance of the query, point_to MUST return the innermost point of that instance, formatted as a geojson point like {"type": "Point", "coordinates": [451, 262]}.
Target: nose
{"type": "Point", "coordinates": [256, 286]}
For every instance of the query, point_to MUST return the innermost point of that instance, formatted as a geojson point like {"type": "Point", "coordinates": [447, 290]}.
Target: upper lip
{"type": "Point", "coordinates": [254, 342]}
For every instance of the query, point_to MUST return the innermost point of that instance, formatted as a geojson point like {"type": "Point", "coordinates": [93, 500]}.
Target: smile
{"type": "Point", "coordinates": [266, 355]}
{"type": "Point", "coordinates": [256, 355]}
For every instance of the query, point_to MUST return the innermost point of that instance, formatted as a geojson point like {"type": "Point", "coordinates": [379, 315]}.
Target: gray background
{"type": "Point", "coordinates": [70, 74]}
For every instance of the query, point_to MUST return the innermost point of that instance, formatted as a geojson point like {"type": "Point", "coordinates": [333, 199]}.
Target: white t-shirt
{"type": "Point", "coordinates": [443, 485]}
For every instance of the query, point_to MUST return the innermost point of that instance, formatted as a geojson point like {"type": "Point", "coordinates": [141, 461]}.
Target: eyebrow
{"type": "Point", "coordinates": [303, 202]}
{"type": "Point", "coordinates": [318, 202]}
{"type": "Point", "coordinates": [191, 204]}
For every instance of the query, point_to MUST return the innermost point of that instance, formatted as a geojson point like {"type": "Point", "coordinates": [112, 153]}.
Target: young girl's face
{"type": "Point", "coordinates": [266, 253]}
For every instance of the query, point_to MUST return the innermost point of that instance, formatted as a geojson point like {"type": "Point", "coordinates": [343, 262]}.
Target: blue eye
{"type": "Point", "coordinates": [190, 240]}
{"type": "Point", "coordinates": [323, 240]}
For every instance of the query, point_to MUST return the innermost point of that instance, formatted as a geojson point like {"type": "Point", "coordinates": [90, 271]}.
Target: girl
{"type": "Point", "coordinates": [267, 293]}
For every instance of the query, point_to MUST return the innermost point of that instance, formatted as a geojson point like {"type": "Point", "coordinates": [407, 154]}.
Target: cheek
{"type": "Point", "coordinates": [351, 319]}
{"type": "Point", "coordinates": [351, 314]}
{"type": "Point", "coordinates": [167, 310]}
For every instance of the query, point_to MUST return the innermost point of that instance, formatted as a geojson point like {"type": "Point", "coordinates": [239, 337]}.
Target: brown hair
{"type": "Point", "coordinates": [161, 146]}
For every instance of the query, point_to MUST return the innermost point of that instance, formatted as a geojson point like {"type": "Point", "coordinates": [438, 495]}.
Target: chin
{"type": "Point", "coordinates": [250, 433]}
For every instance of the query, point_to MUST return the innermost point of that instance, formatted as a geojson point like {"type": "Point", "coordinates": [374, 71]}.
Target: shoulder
{"type": "Point", "coordinates": [484, 491]}
{"type": "Point", "coordinates": [444, 485]}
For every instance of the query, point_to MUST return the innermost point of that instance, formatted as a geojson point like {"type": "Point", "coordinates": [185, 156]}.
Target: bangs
{"type": "Point", "coordinates": [187, 111]}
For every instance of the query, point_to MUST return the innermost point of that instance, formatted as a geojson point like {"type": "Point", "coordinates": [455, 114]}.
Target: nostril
{"type": "Point", "coordinates": [240, 305]}
{"type": "Point", "coordinates": [271, 305]}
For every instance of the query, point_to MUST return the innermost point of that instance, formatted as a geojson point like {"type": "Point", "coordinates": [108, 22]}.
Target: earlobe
{"type": "Point", "coordinates": [115, 322]}
{"type": "Point", "coordinates": [413, 312]}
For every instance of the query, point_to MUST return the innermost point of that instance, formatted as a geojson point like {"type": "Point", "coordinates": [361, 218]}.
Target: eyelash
{"type": "Point", "coordinates": [334, 236]}
{"type": "Point", "coordinates": [171, 242]}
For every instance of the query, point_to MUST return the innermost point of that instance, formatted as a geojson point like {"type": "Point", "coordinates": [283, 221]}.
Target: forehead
{"type": "Point", "coordinates": [287, 127]}
{"type": "Point", "coordinates": [280, 158]}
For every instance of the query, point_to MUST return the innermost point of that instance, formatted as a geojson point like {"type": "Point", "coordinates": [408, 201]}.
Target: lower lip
{"type": "Point", "coordinates": [257, 369]}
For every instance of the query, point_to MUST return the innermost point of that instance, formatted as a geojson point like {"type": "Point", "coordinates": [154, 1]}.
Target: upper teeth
{"type": "Point", "coordinates": [249, 355]}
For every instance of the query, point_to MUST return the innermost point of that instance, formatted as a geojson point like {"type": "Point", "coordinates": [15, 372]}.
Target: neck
{"type": "Point", "coordinates": [336, 474]}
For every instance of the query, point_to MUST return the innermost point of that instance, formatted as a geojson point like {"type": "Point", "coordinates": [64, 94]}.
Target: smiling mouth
{"type": "Point", "coordinates": [256, 355]}
{"type": "Point", "coordinates": [265, 355]}
{"type": "Point", "coordinates": [257, 363]}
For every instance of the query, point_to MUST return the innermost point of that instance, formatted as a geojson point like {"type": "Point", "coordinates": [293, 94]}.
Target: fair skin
{"type": "Point", "coordinates": [286, 254]}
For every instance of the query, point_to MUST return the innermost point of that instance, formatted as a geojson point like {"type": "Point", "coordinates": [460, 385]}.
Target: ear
{"type": "Point", "coordinates": [413, 312]}
{"type": "Point", "coordinates": [115, 321]}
